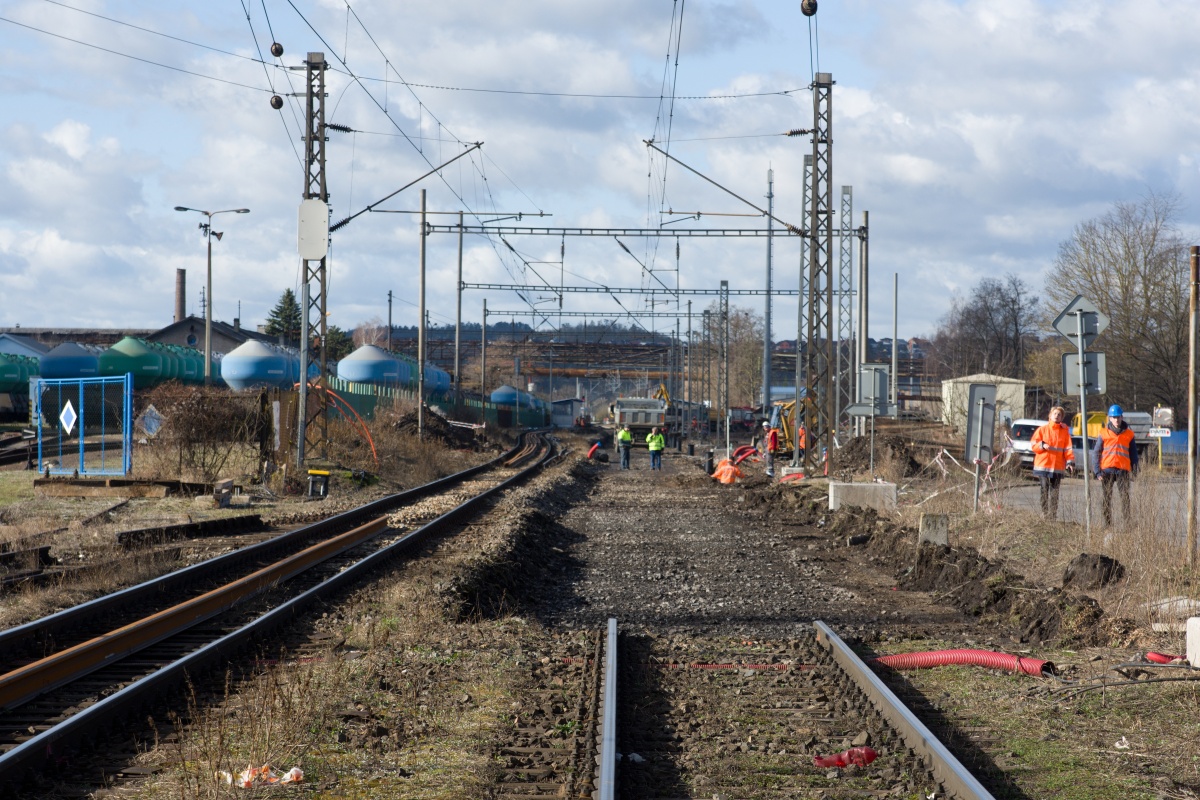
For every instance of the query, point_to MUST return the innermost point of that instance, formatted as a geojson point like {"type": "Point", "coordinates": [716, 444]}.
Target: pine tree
{"type": "Point", "coordinates": [338, 343]}
{"type": "Point", "coordinates": [286, 319]}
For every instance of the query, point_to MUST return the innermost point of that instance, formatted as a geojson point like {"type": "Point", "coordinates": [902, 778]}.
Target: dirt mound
{"type": "Point", "coordinates": [437, 428]}
{"type": "Point", "coordinates": [963, 578]}
{"type": "Point", "coordinates": [892, 453]}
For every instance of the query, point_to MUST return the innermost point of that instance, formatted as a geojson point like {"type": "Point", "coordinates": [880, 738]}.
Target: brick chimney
{"type": "Point", "coordinates": [180, 294]}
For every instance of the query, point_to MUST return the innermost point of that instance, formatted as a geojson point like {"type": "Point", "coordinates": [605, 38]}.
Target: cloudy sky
{"type": "Point", "coordinates": [976, 133]}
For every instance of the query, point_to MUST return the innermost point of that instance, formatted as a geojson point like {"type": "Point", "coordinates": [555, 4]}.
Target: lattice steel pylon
{"type": "Point", "coordinates": [820, 413]}
{"type": "Point", "coordinates": [314, 420]}
{"type": "Point", "coordinates": [802, 312]}
{"type": "Point", "coordinates": [845, 353]}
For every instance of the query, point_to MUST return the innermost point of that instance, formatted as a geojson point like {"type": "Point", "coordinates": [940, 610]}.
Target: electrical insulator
{"type": "Point", "coordinates": [808, 7]}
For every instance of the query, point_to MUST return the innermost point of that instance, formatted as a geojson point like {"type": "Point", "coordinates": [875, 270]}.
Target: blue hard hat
{"type": "Point", "coordinates": [1115, 411]}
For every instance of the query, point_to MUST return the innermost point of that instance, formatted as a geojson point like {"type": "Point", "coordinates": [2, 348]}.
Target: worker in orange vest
{"type": "Point", "coordinates": [1053, 456]}
{"type": "Point", "coordinates": [1114, 460]}
{"type": "Point", "coordinates": [770, 446]}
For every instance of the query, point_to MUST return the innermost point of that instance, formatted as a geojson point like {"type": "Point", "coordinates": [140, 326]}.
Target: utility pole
{"type": "Point", "coordinates": [803, 346]}
{"type": "Point", "coordinates": [688, 386]}
{"type": "Point", "coordinates": [421, 331]}
{"type": "Point", "coordinates": [483, 355]}
{"type": "Point", "coordinates": [864, 354]}
{"type": "Point", "coordinates": [725, 365]}
{"type": "Point", "coordinates": [389, 330]}
{"type": "Point", "coordinates": [314, 422]}
{"type": "Point", "coordinates": [1193, 397]}
{"type": "Point", "coordinates": [766, 366]}
{"type": "Point", "coordinates": [458, 319]}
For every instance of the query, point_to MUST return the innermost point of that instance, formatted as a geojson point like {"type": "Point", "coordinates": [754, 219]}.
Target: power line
{"type": "Point", "coordinates": [133, 57]}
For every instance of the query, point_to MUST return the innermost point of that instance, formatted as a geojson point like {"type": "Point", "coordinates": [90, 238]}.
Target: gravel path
{"type": "Point", "coordinates": [675, 552]}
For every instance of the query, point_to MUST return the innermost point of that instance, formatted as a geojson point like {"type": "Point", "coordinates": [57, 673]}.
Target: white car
{"type": "Point", "coordinates": [1021, 435]}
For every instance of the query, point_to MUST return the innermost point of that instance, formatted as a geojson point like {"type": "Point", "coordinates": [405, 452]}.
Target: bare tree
{"type": "Point", "coordinates": [745, 355]}
{"type": "Point", "coordinates": [373, 331]}
{"type": "Point", "coordinates": [1132, 263]}
{"type": "Point", "coordinates": [990, 331]}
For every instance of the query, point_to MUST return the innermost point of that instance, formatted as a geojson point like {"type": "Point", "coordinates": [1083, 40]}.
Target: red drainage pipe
{"type": "Point", "coordinates": [742, 453]}
{"type": "Point", "coordinates": [595, 447]}
{"type": "Point", "coordinates": [1163, 658]}
{"type": "Point", "coordinates": [979, 658]}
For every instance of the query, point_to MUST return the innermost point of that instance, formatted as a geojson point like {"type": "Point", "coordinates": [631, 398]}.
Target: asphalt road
{"type": "Point", "coordinates": [1153, 495]}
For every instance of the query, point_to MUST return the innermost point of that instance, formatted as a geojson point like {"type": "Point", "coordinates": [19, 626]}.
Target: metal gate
{"type": "Point", "coordinates": [84, 425]}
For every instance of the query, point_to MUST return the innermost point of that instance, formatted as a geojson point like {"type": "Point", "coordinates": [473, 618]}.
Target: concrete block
{"type": "Point", "coordinates": [1193, 641]}
{"type": "Point", "coordinates": [879, 496]}
{"type": "Point", "coordinates": [935, 529]}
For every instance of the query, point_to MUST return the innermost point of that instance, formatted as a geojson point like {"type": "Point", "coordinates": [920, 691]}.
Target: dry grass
{"type": "Point", "coordinates": [404, 708]}
{"type": "Point", "coordinates": [1151, 547]}
{"type": "Point", "coordinates": [395, 456]}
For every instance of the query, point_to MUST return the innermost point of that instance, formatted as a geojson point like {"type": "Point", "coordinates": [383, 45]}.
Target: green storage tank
{"type": "Point", "coordinates": [138, 358]}
{"type": "Point", "coordinates": [15, 372]}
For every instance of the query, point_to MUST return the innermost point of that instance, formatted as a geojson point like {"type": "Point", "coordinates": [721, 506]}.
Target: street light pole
{"type": "Point", "coordinates": [208, 298]}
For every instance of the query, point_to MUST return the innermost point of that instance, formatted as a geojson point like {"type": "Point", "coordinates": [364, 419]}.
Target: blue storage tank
{"type": "Point", "coordinates": [255, 365]}
{"type": "Point", "coordinates": [370, 364]}
{"type": "Point", "coordinates": [505, 396]}
{"type": "Point", "coordinates": [72, 360]}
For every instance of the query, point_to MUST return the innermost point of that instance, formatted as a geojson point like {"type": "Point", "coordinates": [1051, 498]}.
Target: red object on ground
{"type": "Point", "coordinates": [1163, 658]}
{"type": "Point", "coordinates": [979, 658]}
{"type": "Point", "coordinates": [742, 453]}
{"type": "Point", "coordinates": [595, 447]}
{"type": "Point", "coordinates": [858, 756]}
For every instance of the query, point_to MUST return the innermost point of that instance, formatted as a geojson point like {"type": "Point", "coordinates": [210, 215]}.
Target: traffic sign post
{"type": "Point", "coordinates": [1094, 371]}
{"type": "Point", "coordinates": [981, 428]}
{"type": "Point", "coordinates": [872, 399]}
{"type": "Point", "coordinates": [1081, 322]}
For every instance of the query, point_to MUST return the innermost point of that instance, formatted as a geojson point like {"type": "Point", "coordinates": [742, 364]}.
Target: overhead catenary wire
{"type": "Point", "coordinates": [132, 57]}
{"type": "Point", "coordinates": [414, 144]}
{"type": "Point", "coordinates": [267, 73]}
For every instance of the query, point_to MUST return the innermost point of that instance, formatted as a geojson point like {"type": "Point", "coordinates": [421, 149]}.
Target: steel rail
{"type": "Point", "coordinates": [139, 694]}
{"type": "Point", "coordinates": [954, 777]}
{"type": "Point", "coordinates": [25, 683]}
{"type": "Point", "coordinates": [606, 784]}
{"type": "Point", "coordinates": [75, 615]}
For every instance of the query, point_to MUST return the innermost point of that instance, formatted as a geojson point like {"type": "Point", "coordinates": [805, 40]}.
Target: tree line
{"type": "Point", "coordinates": [1132, 263]}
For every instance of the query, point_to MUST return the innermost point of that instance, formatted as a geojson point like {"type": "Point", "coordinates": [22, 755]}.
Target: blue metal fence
{"type": "Point", "coordinates": [84, 425]}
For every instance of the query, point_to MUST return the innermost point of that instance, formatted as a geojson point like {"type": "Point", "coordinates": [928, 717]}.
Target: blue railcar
{"type": "Point", "coordinates": [257, 365]}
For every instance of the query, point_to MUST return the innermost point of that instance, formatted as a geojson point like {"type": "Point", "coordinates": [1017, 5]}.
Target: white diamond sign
{"type": "Point", "coordinates": [68, 417]}
{"type": "Point", "coordinates": [1080, 315]}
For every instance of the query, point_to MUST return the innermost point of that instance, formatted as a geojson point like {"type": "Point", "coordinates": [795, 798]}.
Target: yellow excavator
{"type": "Point", "coordinates": [787, 424]}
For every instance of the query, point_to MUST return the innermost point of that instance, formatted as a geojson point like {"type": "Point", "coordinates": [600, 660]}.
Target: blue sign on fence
{"type": "Point", "coordinates": [83, 425]}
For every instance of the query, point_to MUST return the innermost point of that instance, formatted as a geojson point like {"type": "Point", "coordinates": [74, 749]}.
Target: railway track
{"type": "Point", "coordinates": [652, 718]}
{"type": "Point", "coordinates": [65, 677]}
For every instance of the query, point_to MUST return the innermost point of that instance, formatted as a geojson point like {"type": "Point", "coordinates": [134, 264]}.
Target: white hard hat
{"type": "Point", "coordinates": [766, 424]}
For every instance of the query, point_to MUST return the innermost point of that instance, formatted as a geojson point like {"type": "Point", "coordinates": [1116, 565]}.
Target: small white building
{"type": "Point", "coordinates": [1010, 399]}
{"type": "Point", "coordinates": [564, 413]}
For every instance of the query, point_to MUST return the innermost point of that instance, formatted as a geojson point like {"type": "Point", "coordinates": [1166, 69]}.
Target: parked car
{"type": "Point", "coordinates": [1021, 433]}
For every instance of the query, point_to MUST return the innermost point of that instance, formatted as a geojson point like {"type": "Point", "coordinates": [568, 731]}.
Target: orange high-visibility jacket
{"type": "Point", "coordinates": [1052, 450]}
{"type": "Point", "coordinates": [1115, 450]}
{"type": "Point", "coordinates": [772, 440]}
